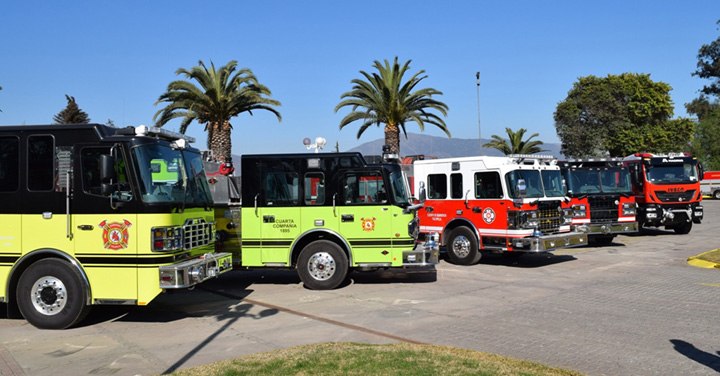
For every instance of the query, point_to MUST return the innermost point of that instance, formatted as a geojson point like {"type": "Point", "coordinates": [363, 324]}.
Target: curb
{"type": "Point", "coordinates": [695, 261]}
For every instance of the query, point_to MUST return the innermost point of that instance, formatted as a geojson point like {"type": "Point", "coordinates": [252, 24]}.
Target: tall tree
{"type": "Point", "coordinates": [708, 66]}
{"type": "Point", "coordinates": [706, 140]}
{"type": "Point", "coordinates": [385, 99]}
{"type": "Point", "coordinates": [222, 94]}
{"type": "Point", "coordinates": [72, 114]}
{"type": "Point", "coordinates": [619, 115]}
{"type": "Point", "coordinates": [516, 144]}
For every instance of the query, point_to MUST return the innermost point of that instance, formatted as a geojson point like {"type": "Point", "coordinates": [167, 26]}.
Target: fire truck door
{"type": "Point", "coordinates": [44, 202]}
{"type": "Point", "coordinates": [365, 217]}
{"type": "Point", "coordinates": [106, 240]}
{"type": "Point", "coordinates": [279, 213]}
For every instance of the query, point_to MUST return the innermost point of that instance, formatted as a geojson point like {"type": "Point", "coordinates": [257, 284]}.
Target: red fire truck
{"type": "Point", "coordinates": [710, 184]}
{"type": "Point", "coordinates": [602, 198]}
{"type": "Point", "coordinates": [667, 190]}
{"type": "Point", "coordinates": [510, 205]}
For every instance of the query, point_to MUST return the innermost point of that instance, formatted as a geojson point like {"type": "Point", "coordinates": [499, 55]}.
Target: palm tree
{"type": "Point", "coordinates": [221, 95]}
{"type": "Point", "coordinates": [517, 145]}
{"type": "Point", "coordinates": [385, 99]}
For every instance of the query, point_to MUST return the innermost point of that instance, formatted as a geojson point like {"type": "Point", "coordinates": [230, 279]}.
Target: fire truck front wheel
{"type": "Point", "coordinates": [322, 265]}
{"type": "Point", "coordinates": [716, 194]}
{"type": "Point", "coordinates": [462, 247]}
{"type": "Point", "coordinates": [51, 295]}
{"type": "Point", "coordinates": [683, 228]}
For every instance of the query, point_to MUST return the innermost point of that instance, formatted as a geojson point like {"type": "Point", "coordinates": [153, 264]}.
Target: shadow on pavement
{"type": "Point", "coordinates": [707, 359]}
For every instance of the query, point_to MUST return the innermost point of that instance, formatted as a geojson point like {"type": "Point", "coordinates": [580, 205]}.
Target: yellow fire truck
{"type": "Point", "coordinates": [323, 214]}
{"type": "Point", "coordinates": [93, 214]}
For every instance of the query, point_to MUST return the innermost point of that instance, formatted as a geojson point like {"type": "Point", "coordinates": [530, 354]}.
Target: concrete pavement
{"type": "Point", "coordinates": [634, 307]}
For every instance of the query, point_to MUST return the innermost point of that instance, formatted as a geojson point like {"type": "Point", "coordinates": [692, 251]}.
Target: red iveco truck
{"type": "Point", "coordinates": [667, 190]}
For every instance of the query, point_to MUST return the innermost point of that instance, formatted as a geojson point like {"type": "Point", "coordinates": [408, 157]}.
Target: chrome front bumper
{"type": "Point", "coordinates": [547, 243]}
{"type": "Point", "coordinates": [191, 272]}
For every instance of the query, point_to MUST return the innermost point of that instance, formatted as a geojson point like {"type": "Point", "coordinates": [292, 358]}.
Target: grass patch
{"type": "Point", "coordinates": [712, 256]}
{"type": "Point", "coordinates": [399, 359]}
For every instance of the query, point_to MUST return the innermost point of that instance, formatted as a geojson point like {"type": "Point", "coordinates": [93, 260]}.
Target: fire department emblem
{"type": "Point", "coordinates": [115, 234]}
{"type": "Point", "coordinates": [488, 215]}
{"type": "Point", "coordinates": [368, 224]}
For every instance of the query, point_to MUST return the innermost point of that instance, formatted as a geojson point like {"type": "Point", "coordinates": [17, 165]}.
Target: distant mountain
{"type": "Point", "coordinates": [442, 147]}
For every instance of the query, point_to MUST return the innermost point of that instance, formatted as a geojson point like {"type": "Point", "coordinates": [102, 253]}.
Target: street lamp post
{"type": "Point", "coordinates": [477, 78]}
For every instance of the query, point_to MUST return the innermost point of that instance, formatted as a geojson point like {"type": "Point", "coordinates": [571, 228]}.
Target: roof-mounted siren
{"type": "Point", "coordinates": [180, 141]}
{"type": "Point", "coordinates": [389, 155]}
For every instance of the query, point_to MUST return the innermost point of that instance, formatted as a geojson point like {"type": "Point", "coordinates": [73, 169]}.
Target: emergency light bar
{"type": "Point", "coordinates": [532, 156]}
{"type": "Point", "coordinates": [144, 130]}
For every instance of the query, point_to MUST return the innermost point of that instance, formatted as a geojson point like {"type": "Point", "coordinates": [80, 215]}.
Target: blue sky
{"type": "Point", "coordinates": [117, 57]}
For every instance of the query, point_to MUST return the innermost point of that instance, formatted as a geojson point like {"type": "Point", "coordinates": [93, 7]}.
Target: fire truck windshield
{"type": "Point", "coordinates": [553, 183]}
{"type": "Point", "coordinates": [168, 175]}
{"type": "Point", "coordinates": [672, 174]}
{"type": "Point", "coordinates": [398, 184]}
{"type": "Point", "coordinates": [599, 181]}
{"type": "Point", "coordinates": [534, 187]}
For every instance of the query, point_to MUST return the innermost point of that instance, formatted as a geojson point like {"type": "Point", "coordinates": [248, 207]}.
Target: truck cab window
{"type": "Point", "coordinates": [9, 162]}
{"type": "Point", "coordinates": [281, 188]}
{"type": "Point", "coordinates": [437, 186]}
{"type": "Point", "coordinates": [41, 163]}
{"type": "Point", "coordinates": [90, 173]}
{"type": "Point", "coordinates": [363, 188]}
{"type": "Point", "coordinates": [314, 188]}
{"type": "Point", "coordinates": [456, 187]}
{"type": "Point", "coordinates": [487, 185]}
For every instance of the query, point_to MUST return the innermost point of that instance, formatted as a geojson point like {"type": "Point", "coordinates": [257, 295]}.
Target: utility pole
{"type": "Point", "coordinates": [477, 77]}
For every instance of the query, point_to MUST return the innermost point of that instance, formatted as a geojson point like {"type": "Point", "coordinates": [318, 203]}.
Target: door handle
{"type": "Point", "coordinates": [85, 227]}
{"type": "Point", "coordinates": [347, 218]}
{"type": "Point", "coordinates": [268, 219]}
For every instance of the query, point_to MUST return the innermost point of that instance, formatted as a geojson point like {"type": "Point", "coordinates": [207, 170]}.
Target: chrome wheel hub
{"type": "Point", "coordinates": [321, 266]}
{"type": "Point", "coordinates": [461, 246]}
{"type": "Point", "coordinates": [48, 295]}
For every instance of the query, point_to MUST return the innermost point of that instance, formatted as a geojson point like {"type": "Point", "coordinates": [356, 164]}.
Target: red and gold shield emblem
{"type": "Point", "coordinates": [115, 234]}
{"type": "Point", "coordinates": [368, 224]}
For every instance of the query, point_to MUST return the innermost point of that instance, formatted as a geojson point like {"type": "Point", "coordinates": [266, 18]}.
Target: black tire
{"type": "Point", "coordinates": [716, 195]}
{"type": "Point", "coordinates": [322, 265]}
{"type": "Point", "coordinates": [603, 239]}
{"type": "Point", "coordinates": [683, 228]}
{"type": "Point", "coordinates": [462, 247]}
{"type": "Point", "coordinates": [51, 294]}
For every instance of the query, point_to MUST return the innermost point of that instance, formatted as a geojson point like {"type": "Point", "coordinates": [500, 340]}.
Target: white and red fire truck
{"type": "Point", "coordinates": [510, 205]}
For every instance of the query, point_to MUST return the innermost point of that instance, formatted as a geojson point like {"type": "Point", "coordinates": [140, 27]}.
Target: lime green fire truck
{"type": "Point", "coordinates": [93, 214]}
{"type": "Point", "coordinates": [324, 214]}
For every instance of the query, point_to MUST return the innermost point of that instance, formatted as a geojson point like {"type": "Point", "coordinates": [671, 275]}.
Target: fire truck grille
{"type": "Point", "coordinates": [549, 216]}
{"type": "Point", "coordinates": [665, 196]}
{"type": "Point", "coordinates": [603, 209]}
{"type": "Point", "coordinates": [197, 233]}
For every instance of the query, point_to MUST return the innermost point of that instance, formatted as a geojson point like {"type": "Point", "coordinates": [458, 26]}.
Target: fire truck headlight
{"type": "Point", "coordinates": [166, 238]}
{"type": "Point", "coordinates": [568, 214]}
{"type": "Point", "coordinates": [529, 219]}
{"type": "Point", "coordinates": [628, 209]}
{"type": "Point", "coordinates": [579, 211]}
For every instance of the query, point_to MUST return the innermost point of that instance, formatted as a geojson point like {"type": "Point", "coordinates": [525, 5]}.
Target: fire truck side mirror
{"type": "Point", "coordinates": [701, 171]}
{"type": "Point", "coordinates": [520, 193]}
{"type": "Point", "coordinates": [521, 189]}
{"type": "Point", "coordinates": [635, 172]}
{"type": "Point", "coordinates": [107, 174]}
{"type": "Point", "coordinates": [422, 196]}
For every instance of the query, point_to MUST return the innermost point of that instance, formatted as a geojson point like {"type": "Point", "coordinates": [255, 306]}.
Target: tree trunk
{"type": "Point", "coordinates": [219, 140]}
{"type": "Point", "coordinates": [392, 137]}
